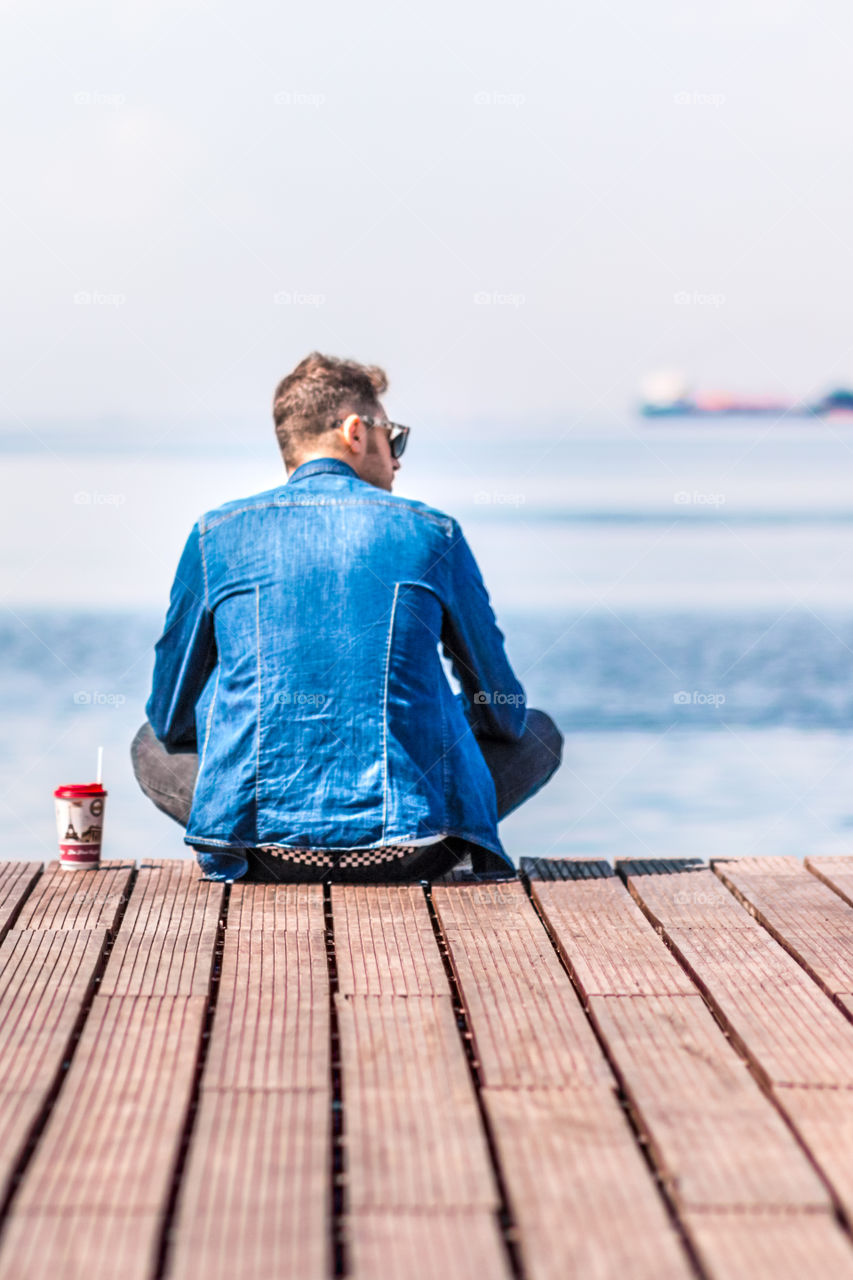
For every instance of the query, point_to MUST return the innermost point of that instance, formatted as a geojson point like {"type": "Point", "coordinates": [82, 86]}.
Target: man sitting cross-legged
{"type": "Point", "coordinates": [301, 725]}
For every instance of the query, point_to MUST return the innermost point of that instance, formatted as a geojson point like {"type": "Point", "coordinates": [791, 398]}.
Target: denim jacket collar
{"type": "Point", "coordinates": [317, 466]}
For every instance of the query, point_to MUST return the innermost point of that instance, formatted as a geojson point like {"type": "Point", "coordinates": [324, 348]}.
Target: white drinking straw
{"type": "Point", "coordinates": [100, 764]}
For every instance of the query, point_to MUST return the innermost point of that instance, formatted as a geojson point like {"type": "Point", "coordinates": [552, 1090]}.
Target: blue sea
{"type": "Point", "coordinates": [679, 597]}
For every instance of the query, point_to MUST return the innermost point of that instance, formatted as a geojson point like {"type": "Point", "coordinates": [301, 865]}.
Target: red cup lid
{"type": "Point", "coordinates": [75, 790]}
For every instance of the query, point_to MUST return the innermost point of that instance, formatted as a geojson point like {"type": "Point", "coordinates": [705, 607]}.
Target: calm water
{"type": "Point", "coordinates": [680, 599]}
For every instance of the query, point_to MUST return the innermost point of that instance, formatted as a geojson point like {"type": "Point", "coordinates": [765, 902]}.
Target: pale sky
{"type": "Point", "coordinates": [516, 211]}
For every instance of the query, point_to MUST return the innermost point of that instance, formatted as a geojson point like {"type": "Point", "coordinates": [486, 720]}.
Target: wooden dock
{"type": "Point", "coordinates": [582, 1073]}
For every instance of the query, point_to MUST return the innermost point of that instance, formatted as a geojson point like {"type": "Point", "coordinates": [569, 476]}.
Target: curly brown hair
{"type": "Point", "coordinates": [319, 388]}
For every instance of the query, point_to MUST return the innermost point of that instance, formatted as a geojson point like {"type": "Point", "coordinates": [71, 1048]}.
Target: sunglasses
{"type": "Point", "coordinates": [397, 433]}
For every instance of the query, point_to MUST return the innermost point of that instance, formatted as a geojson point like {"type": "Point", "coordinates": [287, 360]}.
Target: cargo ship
{"type": "Point", "coordinates": [667, 395]}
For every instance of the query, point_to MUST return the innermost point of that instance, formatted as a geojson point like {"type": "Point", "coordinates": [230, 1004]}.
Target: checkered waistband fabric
{"type": "Point", "coordinates": [340, 857]}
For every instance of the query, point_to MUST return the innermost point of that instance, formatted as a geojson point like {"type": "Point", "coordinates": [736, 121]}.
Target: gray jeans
{"type": "Point", "coordinates": [518, 769]}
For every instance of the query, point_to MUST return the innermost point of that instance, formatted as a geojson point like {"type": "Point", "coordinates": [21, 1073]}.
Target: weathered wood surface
{"type": "Point", "coordinates": [113, 1137]}
{"type": "Point", "coordinates": [271, 1029]}
{"type": "Point", "coordinates": [796, 1041]}
{"type": "Point", "coordinates": [59, 900]}
{"type": "Point", "coordinates": [802, 913]}
{"type": "Point", "coordinates": [640, 1074]}
{"type": "Point", "coordinates": [412, 1131]}
{"type": "Point", "coordinates": [17, 880]}
{"type": "Point", "coordinates": [716, 1142]}
{"type": "Point", "coordinates": [256, 1194]}
{"type": "Point", "coordinates": [568, 1157]}
{"type": "Point", "coordinates": [385, 943]}
{"type": "Point", "coordinates": [528, 1026]}
{"type": "Point", "coordinates": [836, 871]}
{"type": "Point", "coordinates": [771, 1007]}
{"type": "Point", "coordinates": [461, 1245]}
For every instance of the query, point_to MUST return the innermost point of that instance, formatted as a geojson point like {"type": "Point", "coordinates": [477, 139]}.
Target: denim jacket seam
{"type": "Point", "coordinates": [389, 642]}
{"type": "Point", "coordinates": [209, 719]}
{"type": "Point", "coordinates": [443, 522]}
{"type": "Point", "coordinates": [203, 559]}
{"type": "Point", "coordinates": [231, 845]}
{"type": "Point", "coordinates": [260, 700]}
{"type": "Point", "coordinates": [443, 759]}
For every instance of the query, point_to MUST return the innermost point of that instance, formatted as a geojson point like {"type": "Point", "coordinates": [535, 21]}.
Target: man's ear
{"type": "Point", "coordinates": [353, 432]}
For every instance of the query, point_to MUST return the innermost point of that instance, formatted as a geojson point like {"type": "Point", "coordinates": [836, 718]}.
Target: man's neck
{"type": "Point", "coordinates": [316, 457]}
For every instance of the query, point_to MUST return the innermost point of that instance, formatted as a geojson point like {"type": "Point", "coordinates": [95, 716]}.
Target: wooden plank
{"type": "Point", "coordinates": [271, 1027]}
{"type": "Point", "coordinates": [607, 942]}
{"type": "Point", "coordinates": [579, 1188]}
{"type": "Point", "coordinates": [168, 893]}
{"type": "Point", "coordinates": [16, 881]}
{"type": "Point", "coordinates": [499, 904]}
{"type": "Point", "coordinates": [777, 867]}
{"type": "Point", "coordinates": [169, 931]}
{"type": "Point", "coordinates": [427, 1246]}
{"type": "Point", "coordinates": [77, 900]}
{"type": "Point", "coordinates": [114, 1134]}
{"type": "Point", "coordinates": [150, 964]}
{"type": "Point", "coordinates": [779, 1019]}
{"type": "Point", "coordinates": [824, 1120]}
{"type": "Point", "coordinates": [385, 943]}
{"type": "Point", "coordinates": [528, 1025]}
{"type": "Point", "coordinates": [79, 1246]}
{"type": "Point", "coordinates": [412, 1129]}
{"type": "Point", "coordinates": [255, 1198]}
{"type": "Point", "coordinates": [770, 1246]}
{"type": "Point", "coordinates": [689, 892]}
{"type": "Point", "coordinates": [717, 1141]}
{"type": "Point", "coordinates": [45, 982]}
{"type": "Point", "coordinates": [566, 868]}
{"type": "Point", "coordinates": [810, 921]}
{"type": "Point", "coordinates": [266, 908]}
{"type": "Point", "coordinates": [526, 1019]}
{"type": "Point", "coordinates": [837, 872]}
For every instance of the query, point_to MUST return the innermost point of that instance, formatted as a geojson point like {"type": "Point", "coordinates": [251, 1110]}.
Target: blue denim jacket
{"type": "Point", "coordinates": [300, 659]}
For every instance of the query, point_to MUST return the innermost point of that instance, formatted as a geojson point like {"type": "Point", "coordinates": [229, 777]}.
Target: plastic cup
{"type": "Point", "coordinates": [79, 824]}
